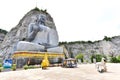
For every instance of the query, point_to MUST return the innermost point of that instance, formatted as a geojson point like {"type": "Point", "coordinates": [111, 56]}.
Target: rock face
{"type": "Point", "coordinates": [111, 47]}
{"type": "Point", "coordinates": [56, 49]}
{"type": "Point", "coordinates": [2, 35]}
{"type": "Point", "coordinates": [19, 33]}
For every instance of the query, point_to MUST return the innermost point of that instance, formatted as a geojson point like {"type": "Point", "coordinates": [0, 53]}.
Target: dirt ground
{"type": "Point", "coordinates": [82, 72]}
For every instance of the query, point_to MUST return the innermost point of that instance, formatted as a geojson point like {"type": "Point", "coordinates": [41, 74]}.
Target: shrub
{"type": "Point", "coordinates": [3, 31]}
{"type": "Point", "coordinates": [118, 58]}
{"type": "Point", "coordinates": [31, 67]}
{"type": "Point", "coordinates": [114, 60]}
{"type": "Point", "coordinates": [0, 65]}
{"type": "Point", "coordinates": [92, 57]}
{"type": "Point", "coordinates": [36, 9]}
{"type": "Point", "coordinates": [107, 38]}
{"type": "Point", "coordinates": [80, 56]}
{"type": "Point", "coordinates": [25, 67]}
{"type": "Point", "coordinates": [34, 66]}
{"type": "Point", "coordinates": [14, 67]}
{"type": "Point", "coordinates": [1, 68]}
{"type": "Point", "coordinates": [98, 57]}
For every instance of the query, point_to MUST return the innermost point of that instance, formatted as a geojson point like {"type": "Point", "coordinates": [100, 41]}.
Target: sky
{"type": "Point", "coordinates": [75, 20]}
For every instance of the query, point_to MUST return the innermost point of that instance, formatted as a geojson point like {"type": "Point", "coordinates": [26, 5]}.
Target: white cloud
{"type": "Point", "coordinates": [74, 19]}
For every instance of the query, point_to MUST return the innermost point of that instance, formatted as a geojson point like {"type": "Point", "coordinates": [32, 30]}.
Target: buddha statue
{"type": "Point", "coordinates": [40, 37]}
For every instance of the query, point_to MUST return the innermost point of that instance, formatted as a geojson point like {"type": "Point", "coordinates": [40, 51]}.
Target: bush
{"type": "Point", "coordinates": [14, 67]}
{"type": "Point", "coordinates": [34, 66]}
{"type": "Point", "coordinates": [3, 31]}
{"type": "Point", "coordinates": [1, 68]}
{"type": "Point", "coordinates": [107, 38]}
{"type": "Point", "coordinates": [115, 59]}
{"type": "Point", "coordinates": [80, 56]}
{"type": "Point", "coordinates": [31, 67]}
{"type": "Point", "coordinates": [36, 9]}
{"type": "Point", "coordinates": [118, 58]}
{"type": "Point", "coordinates": [98, 57]}
{"type": "Point", "coordinates": [25, 67]}
{"type": "Point", "coordinates": [92, 57]}
{"type": "Point", "coordinates": [0, 65]}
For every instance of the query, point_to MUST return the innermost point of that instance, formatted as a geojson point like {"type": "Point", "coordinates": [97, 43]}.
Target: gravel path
{"type": "Point", "coordinates": [82, 72]}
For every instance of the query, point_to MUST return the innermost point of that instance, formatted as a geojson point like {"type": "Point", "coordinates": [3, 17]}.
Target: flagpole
{"type": "Point", "coordinates": [36, 3]}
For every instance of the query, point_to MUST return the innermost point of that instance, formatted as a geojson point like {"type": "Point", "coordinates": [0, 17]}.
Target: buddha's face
{"type": "Point", "coordinates": [41, 19]}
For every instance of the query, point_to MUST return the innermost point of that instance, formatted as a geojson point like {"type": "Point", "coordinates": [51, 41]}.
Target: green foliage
{"type": "Point", "coordinates": [36, 9]}
{"type": "Point", "coordinates": [118, 57]}
{"type": "Point", "coordinates": [78, 42]}
{"type": "Point", "coordinates": [41, 10]}
{"type": "Point", "coordinates": [31, 66]}
{"type": "Point", "coordinates": [92, 57]}
{"type": "Point", "coordinates": [96, 41]}
{"type": "Point", "coordinates": [13, 67]}
{"type": "Point", "coordinates": [115, 59]}
{"type": "Point", "coordinates": [1, 68]}
{"type": "Point", "coordinates": [75, 42]}
{"type": "Point", "coordinates": [3, 31]}
{"type": "Point", "coordinates": [0, 64]}
{"type": "Point", "coordinates": [90, 42]}
{"type": "Point", "coordinates": [34, 66]}
{"type": "Point", "coordinates": [80, 56]}
{"type": "Point", "coordinates": [1, 61]}
{"type": "Point", "coordinates": [62, 43]}
{"type": "Point", "coordinates": [44, 11]}
{"type": "Point", "coordinates": [98, 57]}
{"type": "Point", "coordinates": [25, 67]}
{"type": "Point", "coordinates": [107, 38]}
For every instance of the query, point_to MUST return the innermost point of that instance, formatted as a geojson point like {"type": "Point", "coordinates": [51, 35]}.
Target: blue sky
{"type": "Point", "coordinates": [75, 19]}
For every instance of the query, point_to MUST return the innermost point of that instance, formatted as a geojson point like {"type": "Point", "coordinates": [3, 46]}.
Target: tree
{"type": "Point", "coordinates": [80, 56]}
{"type": "Point", "coordinates": [107, 38]}
{"type": "Point", "coordinates": [3, 31]}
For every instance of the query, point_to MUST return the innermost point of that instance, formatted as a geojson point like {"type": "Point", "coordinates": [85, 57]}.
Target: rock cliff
{"type": "Point", "coordinates": [2, 35]}
{"type": "Point", "coordinates": [109, 46]}
{"type": "Point", "coordinates": [19, 32]}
